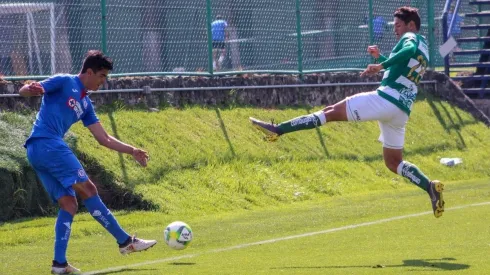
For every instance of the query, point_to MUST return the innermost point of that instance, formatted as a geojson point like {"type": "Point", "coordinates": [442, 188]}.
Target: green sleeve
{"type": "Point", "coordinates": [409, 49]}
{"type": "Point", "coordinates": [382, 58]}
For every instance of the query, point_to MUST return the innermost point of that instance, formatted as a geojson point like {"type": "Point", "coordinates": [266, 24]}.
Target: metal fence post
{"type": "Point", "coordinates": [210, 37]}
{"type": "Point", "coordinates": [299, 38]}
{"type": "Point", "coordinates": [370, 23]}
{"type": "Point", "coordinates": [431, 33]}
{"type": "Point", "coordinates": [103, 10]}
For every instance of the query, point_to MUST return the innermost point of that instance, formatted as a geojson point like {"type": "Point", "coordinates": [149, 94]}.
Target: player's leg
{"type": "Point", "coordinates": [68, 208]}
{"type": "Point", "coordinates": [99, 211]}
{"type": "Point", "coordinates": [69, 172]}
{"type": "Point", "coordinates": [38, 153]}
{"type": "Point", "coordinates": [360, 107]}
{"type": "Point", "coordinates": [393, 137]}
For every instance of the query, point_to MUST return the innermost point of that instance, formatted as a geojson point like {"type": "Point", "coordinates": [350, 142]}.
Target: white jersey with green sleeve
{"type": "Point", "coordinates": [404, 69]}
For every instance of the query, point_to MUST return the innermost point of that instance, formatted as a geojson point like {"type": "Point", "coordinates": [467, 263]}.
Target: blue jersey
{"type": "Point", "coordinates": [64, 103]}
{"type": "Point", "coordinates": [218, 30]}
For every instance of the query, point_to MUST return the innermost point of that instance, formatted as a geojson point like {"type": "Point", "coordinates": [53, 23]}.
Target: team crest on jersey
{"type": "Point", "coordinates": [75, 106]}
{"type": "Point", "coordinates": [81, 173]}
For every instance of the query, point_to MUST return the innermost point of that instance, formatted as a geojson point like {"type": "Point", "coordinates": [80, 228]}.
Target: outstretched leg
{"type": "Point", "coordinates": [98, 210]}
{"type": "Point", "coordinates": [331, 113]}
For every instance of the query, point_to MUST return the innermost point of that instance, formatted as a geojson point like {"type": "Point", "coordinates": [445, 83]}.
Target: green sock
{"type": "Point", "coordinates": [413, 173]}
{"type": "Point", "coordinates": [310, 121]}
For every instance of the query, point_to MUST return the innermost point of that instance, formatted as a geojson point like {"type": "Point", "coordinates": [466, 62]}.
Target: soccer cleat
{"type": "Point", "coordinates": [437, 200]}
{"type": "Point", "coordinates": [64, 269]}
{"type": "Point", "coordinates": [270, 130]}
{"type": "Point", "coordinates": [136, 245]}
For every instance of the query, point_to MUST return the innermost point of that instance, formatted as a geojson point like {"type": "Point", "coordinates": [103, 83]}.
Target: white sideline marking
{"type": "Point", "coordinates": [119, 268]}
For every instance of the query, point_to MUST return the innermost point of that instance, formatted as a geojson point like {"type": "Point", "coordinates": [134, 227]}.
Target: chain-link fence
{"type": "Point", "coordinates": [203, 36]}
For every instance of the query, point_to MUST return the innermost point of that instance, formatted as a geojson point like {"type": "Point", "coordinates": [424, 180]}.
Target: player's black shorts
{"type": "Point", "coordinates": [218, 44]}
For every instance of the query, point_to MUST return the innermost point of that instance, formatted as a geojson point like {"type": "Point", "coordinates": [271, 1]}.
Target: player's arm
{"type": "Point", "coordinates": [374, 51]}
{"type": "Point", "coordinates": [106, 140]}
{"type": "Point", "coordinates": [33, 89]}
{"type": "Point", "coordinates": [407, 51]}
{"type": "Point", "coordinates": [50, 85]}
{"type": "Point", "coordinates": [382, 58]}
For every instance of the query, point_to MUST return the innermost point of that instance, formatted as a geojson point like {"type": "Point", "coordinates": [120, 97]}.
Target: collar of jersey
{"type": "Point", "coordinates": [84, 91]}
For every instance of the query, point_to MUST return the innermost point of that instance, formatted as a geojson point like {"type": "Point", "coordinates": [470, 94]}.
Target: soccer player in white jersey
{"type": "Point", "coordinates": [390, 104]}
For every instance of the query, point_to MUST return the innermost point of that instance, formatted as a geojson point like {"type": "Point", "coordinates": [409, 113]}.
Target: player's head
{"type": "Point", "coordinates": [407, 19]}
{"type": "Point", "coordinates": [219, 17]}
{"type": "Point", "coordinates": [96, 67]}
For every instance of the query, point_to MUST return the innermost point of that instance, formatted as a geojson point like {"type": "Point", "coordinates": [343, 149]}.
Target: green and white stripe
{"type": "Point", "coordinates": [399, 84]}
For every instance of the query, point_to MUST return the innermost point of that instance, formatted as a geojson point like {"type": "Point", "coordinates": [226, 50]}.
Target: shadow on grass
{"type": "Point", "coordinates": [203, 162]}
{"type": "Point", "coordinates": [225, 132]}
{"type": "Point", "coordinates": [121, 157]}
{"type": "Point", "coordinates": [450, 124]}
{"type": "Point", "coordinates": [436, 264]}
{"type": "Point", "coordinates": [320, 136]}
{"type": "Point", "coordinates": [130, 270]}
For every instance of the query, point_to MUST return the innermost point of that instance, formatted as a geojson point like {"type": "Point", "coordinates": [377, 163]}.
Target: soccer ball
{"type": "Point", "coordinates": [178, 235]}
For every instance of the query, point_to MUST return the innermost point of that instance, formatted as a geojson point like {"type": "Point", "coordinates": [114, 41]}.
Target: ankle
{"type": "Point", "coordinates": [125, 243]}
{"type": "Point", "coordinates": [57, 264]}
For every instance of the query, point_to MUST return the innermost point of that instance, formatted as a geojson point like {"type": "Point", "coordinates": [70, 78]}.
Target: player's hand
{"type": "Point", "coordinates": [372, 69]}
{"type": "Point", "coordinates": [141, 156]}
{"type": "Point", "coordinates": [36, 89]}
{"type": "Point", "coordinates": [373, 51]}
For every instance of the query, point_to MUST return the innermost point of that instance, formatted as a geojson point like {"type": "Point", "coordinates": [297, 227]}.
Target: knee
{"type": "Point", "coordinates": [392, 164]}
{"type": "Point", "coordinates": [336, 112]}
{"type": "Point", "coordinates": [328, 108]}
{"type": "Point", "coordinates": [86, 189]}
{"type": "Point", "coordinates": [69, 204]}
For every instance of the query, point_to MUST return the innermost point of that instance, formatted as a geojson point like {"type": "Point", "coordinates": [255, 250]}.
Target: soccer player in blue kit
{"type": "Point", "coordinates": [65, 102]}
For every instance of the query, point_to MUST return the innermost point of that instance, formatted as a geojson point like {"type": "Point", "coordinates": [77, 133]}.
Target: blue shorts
{"type": "Point", "coordinates": [56, 166]}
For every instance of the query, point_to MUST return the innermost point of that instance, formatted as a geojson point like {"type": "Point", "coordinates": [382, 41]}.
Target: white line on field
{"type": "Point", "coordinates": [119, 268]}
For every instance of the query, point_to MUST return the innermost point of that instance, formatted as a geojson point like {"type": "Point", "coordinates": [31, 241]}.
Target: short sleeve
{"type": "Point", "coordinates": [54, 83]}
{"type": "Point", "coordinates": [89, 116]}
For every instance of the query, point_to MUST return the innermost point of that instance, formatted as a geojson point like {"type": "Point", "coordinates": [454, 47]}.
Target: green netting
{"type": "Point", "coordinates": [262, 34]}
{"type": "Point", "coordinates": [46, 37]}
{"type": "Point", "coordinates": [148, 36]}
{"type": "Point", "coordinates": [335, 34]}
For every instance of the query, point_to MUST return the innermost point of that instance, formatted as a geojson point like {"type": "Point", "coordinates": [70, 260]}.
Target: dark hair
{"type": "Point", "coordinates": [407, 14]}
{"type": "Point", "coordinates": [219, 17]}
{"type": "Point", "coordinates": [96, 61]}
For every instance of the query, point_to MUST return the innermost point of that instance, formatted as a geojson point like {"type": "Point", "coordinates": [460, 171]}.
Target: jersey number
{"type": "Point", "coordinates": [423, 63]}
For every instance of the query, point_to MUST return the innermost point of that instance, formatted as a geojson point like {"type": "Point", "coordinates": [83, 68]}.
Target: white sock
{"type": "Point", "coordinates": [400, 168]}
{"type": "Point", "coordinates": [321, 116]}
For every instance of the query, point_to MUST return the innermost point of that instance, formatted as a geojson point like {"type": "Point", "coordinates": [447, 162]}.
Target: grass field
{"type": "Point", "coordinates": [208, 160]}
{"type": "Point", "coordinates": [362, 234]}
{"type": "Point", "coordinates": [211, 169]}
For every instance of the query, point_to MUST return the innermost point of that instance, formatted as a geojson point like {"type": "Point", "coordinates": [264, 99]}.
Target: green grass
{"type": "Point", "coordinates": [457, 243]}
{"type": "Point", "coordinates": [208, 160]}
{"type": "Point", "coordinates": [211, 169]}
{"type": "Point", "coordinates": [14, 129]}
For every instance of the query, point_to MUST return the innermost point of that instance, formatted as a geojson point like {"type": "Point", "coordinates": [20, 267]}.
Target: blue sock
{"type": "Point", "coordinates": [99, 211]}
{"type": "Point", "coordinates": [62, 231]}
